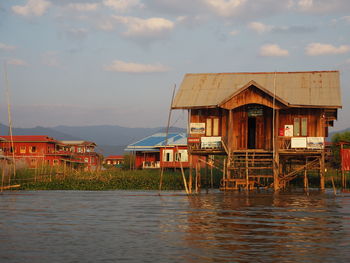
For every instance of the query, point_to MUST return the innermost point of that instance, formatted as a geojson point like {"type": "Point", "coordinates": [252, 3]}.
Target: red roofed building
{"type": "Point", "coordinates": [33, 150]}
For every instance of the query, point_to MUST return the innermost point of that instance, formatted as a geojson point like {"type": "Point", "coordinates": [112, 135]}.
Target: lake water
{"type": "Point", "coordinates": [134, 226]}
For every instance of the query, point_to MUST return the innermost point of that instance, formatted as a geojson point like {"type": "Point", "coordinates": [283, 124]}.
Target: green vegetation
{"type": "Point", "coordinates": [46, 179]}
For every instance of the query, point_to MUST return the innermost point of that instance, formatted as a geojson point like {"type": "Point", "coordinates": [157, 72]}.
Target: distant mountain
{"type": "Point", "coordinates": [110, 134]}
{"type": "Point", "coordinates": [4, 130]}
{"type": "Point", "coordinates": [110, 139]}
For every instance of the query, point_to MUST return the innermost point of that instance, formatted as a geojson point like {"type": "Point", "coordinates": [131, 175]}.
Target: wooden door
{"type": "Point", "coordinates": [260, 132]}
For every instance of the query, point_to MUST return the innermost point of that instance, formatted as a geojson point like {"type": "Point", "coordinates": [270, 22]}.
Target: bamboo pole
{"type": "Point", "coordinates": [166, 137]}
{"type": "Point", "coordinates": [190, 176]}
{"type": "Point", "coordinates": [334, 189]}
{"type": "Point", "coordinates": [7, 85]}
{"type": "Point", "coordinates": [3, 175]}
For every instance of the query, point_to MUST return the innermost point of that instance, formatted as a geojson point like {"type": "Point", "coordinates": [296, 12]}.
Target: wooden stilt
{"type": "Point", "coordinates": [322, 185]}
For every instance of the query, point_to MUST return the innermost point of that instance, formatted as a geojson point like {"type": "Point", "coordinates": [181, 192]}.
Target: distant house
{"type": "Point", "coordinates": [160, 150]}
{"type": "Point", "coordinates": [114, 160]}
{"type": "Point", "coordinates": [83, 151]}
{"type": "Point", "coordinates": [34, 150]}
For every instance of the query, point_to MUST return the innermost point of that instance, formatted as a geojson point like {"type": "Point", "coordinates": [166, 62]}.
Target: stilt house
{"type": "Point", "coordinates": [271, 126]}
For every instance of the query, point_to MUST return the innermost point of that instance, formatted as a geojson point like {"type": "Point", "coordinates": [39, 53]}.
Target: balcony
{"type": "Point", "coordinates": [206, 145]}
{"type": "Point", "coordinates": [301, 144]}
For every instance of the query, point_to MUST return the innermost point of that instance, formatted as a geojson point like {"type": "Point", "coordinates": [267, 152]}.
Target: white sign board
{"type": "Point", "coordinates": [298, 142]}
{"type": "Point", "coordinates": [288, 130]}
{"type": "Point", "coordinates": [315, 142]}
{"type": "Point", "coordinates": [197, 128]}
{"type": "Point", "coordinates": [211, 142]}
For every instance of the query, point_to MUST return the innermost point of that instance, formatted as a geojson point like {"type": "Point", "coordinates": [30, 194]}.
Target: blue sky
{"type": "Point", "coordinates": [116, 61]}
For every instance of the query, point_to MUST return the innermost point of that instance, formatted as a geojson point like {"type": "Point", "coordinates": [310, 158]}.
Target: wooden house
{"type": "Point", "coordinates": [270, 126]}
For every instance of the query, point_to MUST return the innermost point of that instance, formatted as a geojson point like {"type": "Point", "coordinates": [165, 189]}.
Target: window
{"type": "Point", "coordinates": [212, 127]}
{"type": "Point", "coordinates": [22, 149]}
{"type": "Point", "coordinates": [86, 160]}
{"type": "Point", "coordinates": [168, 155]}
{"type": "Point", "coordinates": [300, 127]}
{"type": "Point", "coordinates": [181, 156]}
{"type": "Point", "coordinates": [32, 149]}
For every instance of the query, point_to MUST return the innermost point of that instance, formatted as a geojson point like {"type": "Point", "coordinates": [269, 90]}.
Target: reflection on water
{"type": "Point", "coordinates": [117, 226]}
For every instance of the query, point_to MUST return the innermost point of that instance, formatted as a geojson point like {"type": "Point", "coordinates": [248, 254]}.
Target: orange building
{"type": "Point", "coordinates": [33, 150]}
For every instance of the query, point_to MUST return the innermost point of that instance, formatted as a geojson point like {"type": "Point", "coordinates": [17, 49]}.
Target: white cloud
{"type": "Point", "coordinates": [317, 49]}
{"type": "Point", "coordinates": [225, 8]}
{"type": "Point", "coordinates": [6, 47]}
{"type": "Point", "coordinates": [32, 8]}
{"type": "Point", "coordinates": [129, 67]}
{"type": "Point", "coordinates": [234, 32]}
{"type": "Point", "coordinates": [151, 27]}
{"type": "Point", "coordinates": [273, 50]}
{"type": "Point", "coordinates": [305, 4]}
{"type": "Point", "coordinates": [260, 27]}
{"type": "Point", "coordinates": [122, 5]}
{"type": "Point", "coordinates": [16, 62]}
{"type": "Point", "coordinates": [83, 7]}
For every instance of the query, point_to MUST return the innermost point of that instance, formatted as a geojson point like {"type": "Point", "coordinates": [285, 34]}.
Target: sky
{"type": "Point", "coordinates": [116, 62]}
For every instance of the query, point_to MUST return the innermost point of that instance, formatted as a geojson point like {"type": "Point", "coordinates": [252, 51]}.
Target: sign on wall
{"type": "Point", "coordinates": [288, 130]}
{"type": "Point", "coordinates": [315, 142]}
{"type": "Point", "coordinates": [197, 128]}
{"type": "Point", "coordinates": [255, 111]}
{"type": "Point", "coordinates": [211, 142]}
{"type": "Point", "coordinates": [298, 142]}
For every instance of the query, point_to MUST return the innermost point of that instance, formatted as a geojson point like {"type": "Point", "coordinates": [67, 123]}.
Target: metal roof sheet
{"type": "Point", "coordinates": [309, 88]}
{"type": "Point", "coordinates": [153, 142]}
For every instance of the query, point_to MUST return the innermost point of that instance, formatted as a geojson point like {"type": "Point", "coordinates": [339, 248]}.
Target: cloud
{"type": "Point", "coordinates": [273, 50]}
{"type": "Point", "coordinates": [16, 62]}
{"type": "Point", "coordinates": [145, 28]}
{"type": "Point", "coordinates": [317, 49]}
{"type": "Point", "coordinates": [83, 7]}
{"type": "Point", "coordinates": [32, 8]}
{"type": "Point", "coordinates": [260, 27]}
{"type": "Point", "coordinates": [234, 32]}
{"type": "Point", "coordinates": [225, 8]}
{"type": "Point", "coordinates": [319, 6]}
{"type": "Point", "coordinates": [122, 5]}
{"type": "Point", "coordinates": [50, 58]}
{"type": "Point", "coordinates": [129, 67]}
{"type": "Point", "coordinates": [6, 47]}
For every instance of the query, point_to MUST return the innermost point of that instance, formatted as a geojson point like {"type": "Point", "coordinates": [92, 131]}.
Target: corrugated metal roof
{"type": "Point", "coordinates": [157, 140]}
{"type": "Point", "coordinates": [309, 88]}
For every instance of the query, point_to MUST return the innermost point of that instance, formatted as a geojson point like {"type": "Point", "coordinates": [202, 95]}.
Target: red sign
{"type": "Point", "coordinates": [193, 140]}
{"type": "Point", "coordinates": [281, 132]}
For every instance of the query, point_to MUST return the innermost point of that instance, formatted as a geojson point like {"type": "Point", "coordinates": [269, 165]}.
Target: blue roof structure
{"type": "Point", "coordinates": [154, 142]}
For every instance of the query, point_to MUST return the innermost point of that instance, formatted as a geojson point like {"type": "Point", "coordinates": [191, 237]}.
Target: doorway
{"type": "Point", "coordinates": [251, 132]}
